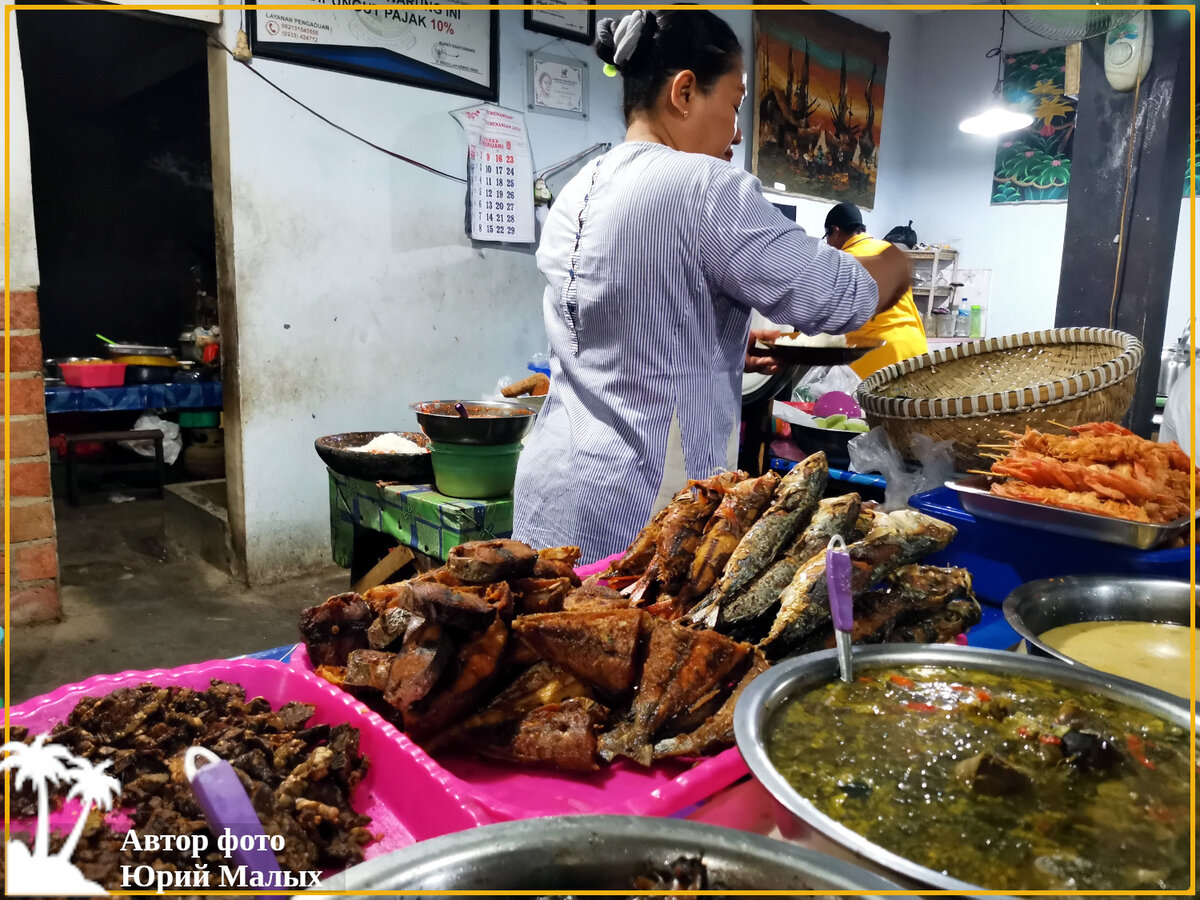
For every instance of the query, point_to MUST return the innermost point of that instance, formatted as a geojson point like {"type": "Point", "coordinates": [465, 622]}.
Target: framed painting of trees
{"type": "Point", "coordinates": [818, 104]}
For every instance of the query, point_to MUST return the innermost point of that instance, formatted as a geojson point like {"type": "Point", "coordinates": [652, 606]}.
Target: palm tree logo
{"type": "Point", "coordinates": [46, 766]}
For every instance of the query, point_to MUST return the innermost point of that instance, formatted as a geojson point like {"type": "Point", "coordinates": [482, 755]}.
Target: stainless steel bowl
{"type": "Point", "coordinates": [1036, 607]}
{"type": "Point", "coordinates": [779, 684]}
{"type": "Point", "coordinates": [489, 422]}
{"type": "Point", "coordinates": [568, 853]}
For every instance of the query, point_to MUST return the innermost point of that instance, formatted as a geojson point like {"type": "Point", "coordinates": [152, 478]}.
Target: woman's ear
{"type": "Point", "coordinates": [682, 91]}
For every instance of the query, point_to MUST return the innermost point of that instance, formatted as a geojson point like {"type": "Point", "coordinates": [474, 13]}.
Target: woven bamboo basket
{"type": "Point", "coordinates": [970, 392]}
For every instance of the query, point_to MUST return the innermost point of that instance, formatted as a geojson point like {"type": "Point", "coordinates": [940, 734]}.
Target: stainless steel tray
{"type": "Point", "coordinates": [979, 501]}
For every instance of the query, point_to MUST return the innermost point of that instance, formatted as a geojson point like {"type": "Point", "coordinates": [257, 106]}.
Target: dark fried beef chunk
{"type": "Point", "coordinates": [335, 628]}
{"type": "Point", "coordinates": [481, 562]}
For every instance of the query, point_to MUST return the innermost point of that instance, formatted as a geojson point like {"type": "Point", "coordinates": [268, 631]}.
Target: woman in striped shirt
{"type": "Point", "coordinates": [655, 254]}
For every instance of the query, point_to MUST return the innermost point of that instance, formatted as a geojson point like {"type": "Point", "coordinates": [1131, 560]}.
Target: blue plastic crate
{"type": "Point", "coordinates": [1001, 557]}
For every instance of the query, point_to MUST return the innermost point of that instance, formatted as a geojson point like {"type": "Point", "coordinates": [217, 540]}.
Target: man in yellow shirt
{"type": "Point", "coordinates": [900, 326]}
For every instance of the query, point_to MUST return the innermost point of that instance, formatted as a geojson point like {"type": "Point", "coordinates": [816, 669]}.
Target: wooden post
{"type": "Point", "coordinates": [1110, 187]}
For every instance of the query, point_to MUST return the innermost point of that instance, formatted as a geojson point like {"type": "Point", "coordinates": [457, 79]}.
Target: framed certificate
{"type": "Point", "coordinates": [569, 24]}
{"type": "Point", "coordinates": [557, 85]}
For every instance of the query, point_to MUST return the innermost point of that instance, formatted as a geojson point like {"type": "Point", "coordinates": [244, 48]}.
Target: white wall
{"type": "Point", "coordinates": [949, 180]}
{"type": "Point", "coordinates": [23, 245]}
{"type": "Point", "coordinates": [358, 292]}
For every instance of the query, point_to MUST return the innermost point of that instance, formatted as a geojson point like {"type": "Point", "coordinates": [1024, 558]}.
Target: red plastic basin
{"type": "Point", "coordinates": [93, 375]}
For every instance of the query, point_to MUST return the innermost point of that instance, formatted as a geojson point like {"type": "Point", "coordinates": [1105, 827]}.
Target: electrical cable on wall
{"type": "Point", "coordinates": [346, 131]}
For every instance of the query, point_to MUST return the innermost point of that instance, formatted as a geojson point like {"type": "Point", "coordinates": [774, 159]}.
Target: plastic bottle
{"type": "Point", "coordinates": [976, 321]}
{"type": "Point", "coordinates": [962, 321]}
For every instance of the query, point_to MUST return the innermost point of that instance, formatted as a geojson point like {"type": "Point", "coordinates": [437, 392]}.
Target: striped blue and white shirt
{"type": "Point", "coordinates": [654, 260]}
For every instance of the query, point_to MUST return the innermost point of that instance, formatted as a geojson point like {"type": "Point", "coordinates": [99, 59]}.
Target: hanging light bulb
{"type": "Point", "coordinates": [999, 117]}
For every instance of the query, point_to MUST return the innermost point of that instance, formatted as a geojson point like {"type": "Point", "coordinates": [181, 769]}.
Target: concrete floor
{"type": "Point", "coordinates": [132, 602]}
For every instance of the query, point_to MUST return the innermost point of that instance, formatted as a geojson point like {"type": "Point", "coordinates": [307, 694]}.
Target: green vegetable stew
{"type": "Point", "coordinates": [1003, 782]}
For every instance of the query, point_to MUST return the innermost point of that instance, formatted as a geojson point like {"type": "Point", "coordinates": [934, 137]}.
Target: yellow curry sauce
{"type": "Point", "coordinates": [1153, 653]}
{"type": "Point", "coordinates": [1004, 782]}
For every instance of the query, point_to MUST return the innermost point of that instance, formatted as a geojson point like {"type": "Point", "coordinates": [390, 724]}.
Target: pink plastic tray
{"type": "Point", "coordinates": [515, 792]}
{"type": "Point", "coordinates": [408, 797]}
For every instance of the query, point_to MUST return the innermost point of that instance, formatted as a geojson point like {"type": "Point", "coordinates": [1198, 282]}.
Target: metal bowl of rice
{"type": "Point", "coordinates": [401, 456]}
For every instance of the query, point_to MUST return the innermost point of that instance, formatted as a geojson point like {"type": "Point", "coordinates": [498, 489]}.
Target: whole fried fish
{"type": "Point", "coordinates": [733, 518]}
{"type": "Point", "coordinates": [914, 594]}
{"type": "Point", "coordinates": [682, 529]}
{"type": "Point", "coordinates": [898, 539]}
{"type": "Point", "coordinates": [795, 499]}
{"type": "Point", "coordinates": [942, 627]}
{"type": "Point", "coordinates": [834, 515]}
{"type": "Point", "coordinates": [638, 555]}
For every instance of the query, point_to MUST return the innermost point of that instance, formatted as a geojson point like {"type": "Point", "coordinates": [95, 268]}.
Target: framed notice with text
{"type": "Point", "coordinates": [569, 24]}
{"type": "Point", "coordinates": [452, 50]}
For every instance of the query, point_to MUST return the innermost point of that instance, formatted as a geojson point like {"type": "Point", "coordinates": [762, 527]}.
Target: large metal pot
{"type": "Point", "coordinates": [779, 684]}
{"type": "Point", "coordinates": [1036, 607]}
{"type": "Point", "coordinates": [569, 853]}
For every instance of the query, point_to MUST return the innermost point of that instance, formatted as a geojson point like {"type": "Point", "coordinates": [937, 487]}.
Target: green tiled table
{"type": "Point", "coordinates": [414, 514]}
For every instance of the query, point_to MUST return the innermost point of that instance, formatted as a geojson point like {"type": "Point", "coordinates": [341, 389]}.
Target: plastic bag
{"type": "Point", "coordinates": [820, 380]}
{"type": "Point", "coordinates": [172, 438]}
{"type": "Point", "coordinates": [874, 452]}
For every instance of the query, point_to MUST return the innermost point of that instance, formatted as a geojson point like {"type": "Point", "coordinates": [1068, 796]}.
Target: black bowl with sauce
{"type": "Point", "coordinates": [487, 423]}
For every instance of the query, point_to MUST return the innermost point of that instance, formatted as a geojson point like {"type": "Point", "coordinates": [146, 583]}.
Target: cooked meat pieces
{"type": "Point", "coordinates": [390, 627]}
{"type": "Point", "coordinates": [463, 609]}
{"type": "Point", "coordinates": [476, 668]}
{"type": "Point", "coordinates": [557, 734]}
{"type": "Point", "coordinates": [716, 732]}
{"type": "Point", "coordinates": [480, 562]}
{"type": "Point", "coordinates": [299, 778]}
{"type": "Point", "coordinates": [682, 666]}
{"type": "Point", "coordinates": [546, 716]}
{"type": "Point", "coordinates": [557, 562]}
{"type": "Point", "coordinates": [599, 647]}
{"type": "Point", "coordinates": [368, 669]}
{"type": "Point", "coordinates": [336, 627]}
{"type": "Point", "coordinates": [594, 597]}
{"type": "Point", "coordinates": [422, 659]}
{"type": "Point", "coordinates": [539, 595]}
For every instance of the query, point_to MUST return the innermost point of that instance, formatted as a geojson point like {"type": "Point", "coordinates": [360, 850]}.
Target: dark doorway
{"type": "Point", "coordinates": [122, 181]}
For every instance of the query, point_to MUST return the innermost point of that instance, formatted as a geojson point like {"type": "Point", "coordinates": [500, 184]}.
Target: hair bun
{"type": "Point", "coordinates": [606, 42]}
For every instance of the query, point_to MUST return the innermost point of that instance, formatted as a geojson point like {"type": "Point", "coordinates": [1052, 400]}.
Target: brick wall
{"type": "Point", "coordinates": [33, 552]}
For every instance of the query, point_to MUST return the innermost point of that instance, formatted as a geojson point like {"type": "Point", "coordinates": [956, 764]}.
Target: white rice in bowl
{"type": "Point", "coordinates": [391, 443]}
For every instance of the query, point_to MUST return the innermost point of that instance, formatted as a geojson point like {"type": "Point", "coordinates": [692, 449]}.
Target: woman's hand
{"type": "Point", "coordinates": [891, 272]}
{"type": "Point", "coordinates": [755, 362]}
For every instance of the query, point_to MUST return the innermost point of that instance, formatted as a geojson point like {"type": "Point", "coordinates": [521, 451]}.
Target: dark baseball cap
{"type": "Point", "coordinates": [844, 216]}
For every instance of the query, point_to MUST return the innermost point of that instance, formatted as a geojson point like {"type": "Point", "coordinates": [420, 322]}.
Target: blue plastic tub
{"type": "Point", "coordinates": [1001, 557]}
